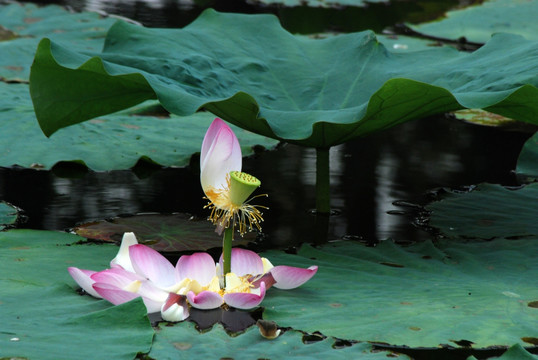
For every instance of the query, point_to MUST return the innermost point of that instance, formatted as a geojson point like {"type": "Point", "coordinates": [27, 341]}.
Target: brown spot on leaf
{"type": "Point", "coordinates": [406, 303]}
{"type": "Point", "coordinates": [32, 20]}
{"type": "Point", "coordinates": [414, 328]}
{"type": "Point", "coordinates": [182, 345]}
{"type": "Point", "coordinates": [335, 305]}
{"type": "Point", "coordinates": [533, 304]}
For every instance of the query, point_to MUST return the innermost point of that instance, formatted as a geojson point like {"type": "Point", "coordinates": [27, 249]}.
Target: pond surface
{"type": "Point", "coordinates": [375, 183]}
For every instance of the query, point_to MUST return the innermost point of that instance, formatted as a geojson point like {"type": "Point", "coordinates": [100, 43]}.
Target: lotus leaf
{"type": "Point", "coordinates": [8, 214]}
{"type": "Point", "coordinates": [252, 73]}
{"type": "Point", "coordinates": [515, 352]}
{"type": "Point", "coordinates": [29, 23]}
{"type": "Point", "coordinates": [422, 295]}
{"type": "Point", "coordinates": [185, 340]}
{"type": "Point", "coordinates": [477, 23]}
{"type": "Point", "coordinates": [486, 212]}
{"type": "Point", "coordinates": [112, 142]}
{"type": "Point", "coordinates": [527, 163]}
{"type": "Point", "coordinates": [44, 318]}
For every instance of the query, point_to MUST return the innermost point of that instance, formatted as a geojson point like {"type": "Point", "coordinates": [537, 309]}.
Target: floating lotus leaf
{"type": "Point", "coordinates": [486, 212]}
{"type": "Point", "coordinates": [164, 233]}
{"type": "Point", "coordinates": [8, 214]}
{"type": "Point", "coordinates": [478, 23]}
{"type": "Point", "coordinates": [29, 23]}
{"type": "Point", "coordinates": [183, 339]}
{"type": "Point", "coordinates": [111, 142]}
{"type": "Point", "coordinates": [515, 352]}
{"type": "Point", "coordinates": [422, 295]}
{"type": "Point", "coordinates": [527, 163]}
{"type": "Point", "coordinates": [42, 315]}
{"type": "Point", "coordinates": [252, 73]}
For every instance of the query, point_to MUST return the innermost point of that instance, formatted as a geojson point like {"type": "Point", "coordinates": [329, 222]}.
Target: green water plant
{"type": "Point", "coordinates": [249, 71]}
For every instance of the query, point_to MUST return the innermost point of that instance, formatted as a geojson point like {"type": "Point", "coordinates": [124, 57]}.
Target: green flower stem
{"type": "Point", "coordinates": [323, 197]}
{"type": "Point", "coordinates": [227, 251]}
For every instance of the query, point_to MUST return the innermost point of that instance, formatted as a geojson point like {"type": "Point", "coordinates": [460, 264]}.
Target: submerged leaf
{"type": "Point", "coordinates": [164, 233]}
{"type": "Point", "coordinates": [252, 73]}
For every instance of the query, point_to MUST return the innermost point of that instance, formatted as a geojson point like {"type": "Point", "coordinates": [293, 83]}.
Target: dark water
{"type": "Point", "coordinates": [406, 163]}
{"type": "Point", "coordinates": [300, 19]}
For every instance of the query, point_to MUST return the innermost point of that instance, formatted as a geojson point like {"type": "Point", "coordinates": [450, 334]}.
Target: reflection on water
{"type": "Point", "coordinates": [300, 19]}
{"type": "Point", "coordinates": [368, 175]}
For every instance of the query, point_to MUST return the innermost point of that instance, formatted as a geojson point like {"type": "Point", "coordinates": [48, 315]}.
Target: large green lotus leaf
{"type": "Point", "coordinates": [477, 23]}
{"type": "Point", "coordinates": [29, 23]}
{"type": "Point", "coordinates": [423, 295]}
{"type": "Point", "coordinates": [486, 212]}
{"type": "Point", "coordinates": [111, 142]}
{"type": "Point", "coordinates": [42, 315]}
{"type": "Point", "coordinates": [251, 72]}
{"type": "Point", "coordinates": [164, 233]}
{"type": "Point", "coordinates": [8, 214]}
{"type": "Point", "coordinates": [183, 340]}
{"type": "Point", "coordinates": [527, 163]}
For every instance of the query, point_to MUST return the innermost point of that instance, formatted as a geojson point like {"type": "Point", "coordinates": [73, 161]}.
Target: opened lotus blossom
{"type": "Point", "coordinates": [139, 271]}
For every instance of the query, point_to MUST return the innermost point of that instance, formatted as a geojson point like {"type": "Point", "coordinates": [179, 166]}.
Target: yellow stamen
{"type": "Point", "coordinates": [225, 212]}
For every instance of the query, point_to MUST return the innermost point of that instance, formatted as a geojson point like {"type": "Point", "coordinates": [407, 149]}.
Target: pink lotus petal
{"type": "Point", "coordinates": [116, 276]}
{"type": "Point", "coordinates": [245, 300]}
{"type": "Point", "coordinates": [245, 262]}
{"type": "Point", "coordinates": [209, 138]}
{"type": "Point", "coordinates": [220, 154]}
{"type": "Point", "coordinates": [152, 265]}
{"type": "Point", "coordinates": [152, 292]}
{"type": "Point", "coordinates": [114, 294]}
{"type": "Point", "coordinates": [122, 259]}
{"type": "Point", "coordinates": [84, 280]}
{"type": "Point", "coordinates": [175, 308]}
{"type": "Point", "coordinates": [119, 296]}
{"type": "Point", "coordinates": [205, 300]}
{"type": "Point", "coordinates": [289, 277]}
{"type": "Point", "coordinates": [198, 266]}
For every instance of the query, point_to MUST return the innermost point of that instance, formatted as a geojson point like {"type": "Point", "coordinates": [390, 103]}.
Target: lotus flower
{"type": "Point", "coordinates": [129, 277]}
{"type": "Point", "coordinates": [225, 186]}
{"type": "Point", "coordinates": [139, 271]}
